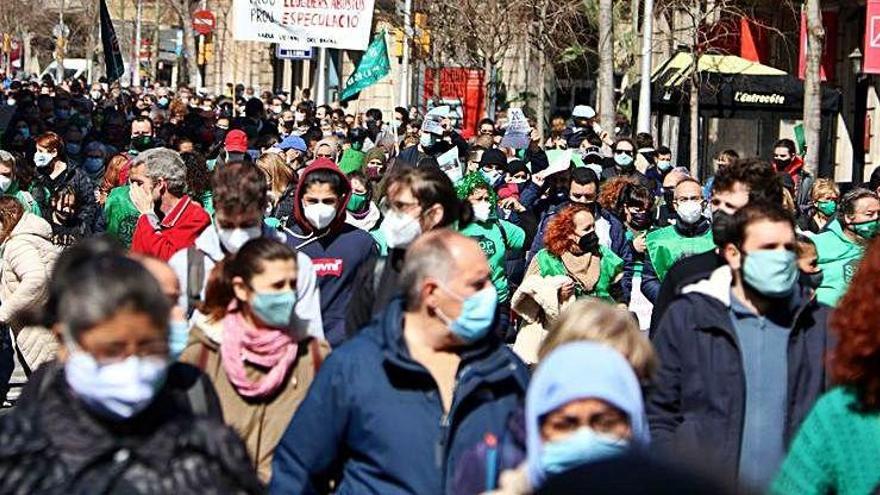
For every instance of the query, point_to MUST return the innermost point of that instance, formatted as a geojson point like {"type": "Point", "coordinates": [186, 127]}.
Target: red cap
{"type": "Point", "coordinates": [236, 141]}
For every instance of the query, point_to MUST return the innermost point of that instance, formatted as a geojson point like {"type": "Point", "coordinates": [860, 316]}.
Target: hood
{"type": "Point", "coordinates": [717, 286]}
{"type": "Point", "coordinates": [796, 165]}
{"type": "Point", "coordinates": [31, 224]}
{"type": "Point", "coordinates": [320, 164]}
{"type": "Point", "coordinates": [611, 379]}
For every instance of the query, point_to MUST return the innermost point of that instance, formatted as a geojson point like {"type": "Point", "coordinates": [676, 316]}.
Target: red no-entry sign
{"type": "Point", "coordinates": [204, 21]}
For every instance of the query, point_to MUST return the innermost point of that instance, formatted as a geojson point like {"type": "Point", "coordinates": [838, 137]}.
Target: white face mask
{"type": "Point", "coordinates": [5, 182]}
{"type": "Point", "coordinates": [481, 211]}
{"type": "Point", "coordinates": [689, 212]}
{"type": "Point", "coordinates": [400, 229]}
{"type": "Point", "coordinates": [234, 239]}
{"type": "Point", "coordinates": [319, 215]}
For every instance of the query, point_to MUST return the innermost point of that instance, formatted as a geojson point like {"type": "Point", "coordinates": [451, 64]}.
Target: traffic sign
{"type": "Point", "coordinates": [204, 21]}
{"type": "Point", "coordinates": [293, 53]}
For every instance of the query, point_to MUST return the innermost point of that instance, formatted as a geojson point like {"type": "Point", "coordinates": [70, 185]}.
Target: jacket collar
{"type": "Point", "coordinates": [174, 215]}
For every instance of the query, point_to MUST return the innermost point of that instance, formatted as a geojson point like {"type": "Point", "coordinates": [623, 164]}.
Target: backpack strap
{"type": "Point", "coordinates": [198, 401]}
{"type": "Point", "coordinates": [195, 278]}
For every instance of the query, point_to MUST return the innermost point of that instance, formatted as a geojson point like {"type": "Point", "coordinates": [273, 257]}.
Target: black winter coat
{"type": "Point", "coordinates": [81, 223]}
{"type": "Point", "coordinates": [696, 409]}
{"type": "Point", "coordinates": [52, 444]}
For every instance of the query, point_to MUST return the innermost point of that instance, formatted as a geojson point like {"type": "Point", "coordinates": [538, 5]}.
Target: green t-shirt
{"type": "Point", "coordinates": [493, 244]}
{"type": "Point", "coordinates": [838, 257]}
{"type": "Point", "coordinates": [121, 215]}
{"type": "Point", "coordinates": [666, 246]}
{"type": "Point", "coordinates": [610, 267]}
{"type": "Point", "coordinates": [25, 198]}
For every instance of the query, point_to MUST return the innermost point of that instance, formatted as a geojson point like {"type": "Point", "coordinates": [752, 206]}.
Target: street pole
{"type": "Point", "coordinates": [644, 120]}
{"type": "Point", "coordinates": [59, 70]}
{"type": "Point", "coordinates": [136, 66]}
{"type": "Point", "coordinates": [405, 77]}
{"type": "Point", "coordinates": [321, 94]}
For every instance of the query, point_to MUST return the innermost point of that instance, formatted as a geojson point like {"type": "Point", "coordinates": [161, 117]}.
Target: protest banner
{"type": "Point", "coordinates": [449, 163]}
{"type": "Point", "coordinates": [342, 24]}
{"type": "Point", "coordinates": [517, 134]}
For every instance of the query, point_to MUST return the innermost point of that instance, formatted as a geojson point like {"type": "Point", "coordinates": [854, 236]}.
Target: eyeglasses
{"type": "Point", "coordinates": [625, 152]}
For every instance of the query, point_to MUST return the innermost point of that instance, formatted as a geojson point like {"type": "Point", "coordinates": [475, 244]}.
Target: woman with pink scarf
{"type": "Point", "coordinates": [259, 358]}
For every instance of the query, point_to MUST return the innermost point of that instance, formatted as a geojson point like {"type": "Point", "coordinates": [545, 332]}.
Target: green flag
{"type": "Point", "coordinates": [373, 66]}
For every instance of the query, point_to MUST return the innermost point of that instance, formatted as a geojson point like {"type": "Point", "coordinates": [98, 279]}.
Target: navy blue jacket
{"type": "Point", "coordinates": [696, 409]}
{"type": "Point", "coordinates": [374, 417]}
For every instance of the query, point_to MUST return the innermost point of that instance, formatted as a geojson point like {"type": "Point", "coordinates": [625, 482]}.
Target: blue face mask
{"type": "Point", "coordinates": [73, 148]}
{"type": "Point", "coordinates": [477, 314]}
{"type": "Point", "coordinates": [178, 336]}
{"type": "Point", "coordinates": [664, 165]}
{"type": "Point", "coordinates": [93, 165]}
{"type": "Point", "coordinates": [118, 390]}
{"type": "Point", "coordinates": [623, 160]}
{"type": "Point", "coordinates": [581, 447]}
{"type": "Point", "coordinates": [274, 308]}
{"type": "Point", "coordinates": [771, 272]}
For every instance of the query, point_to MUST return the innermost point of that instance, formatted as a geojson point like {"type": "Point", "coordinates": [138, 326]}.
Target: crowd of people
{"type": "Point", "coordinates": [248, 293]}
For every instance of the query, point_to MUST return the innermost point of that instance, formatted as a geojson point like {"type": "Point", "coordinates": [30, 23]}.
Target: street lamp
{"type": "Point", "coordinates": [855, 60]}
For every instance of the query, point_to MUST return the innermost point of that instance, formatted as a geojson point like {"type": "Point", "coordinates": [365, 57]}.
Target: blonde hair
{"type": "Point", "coordinates": [601, 322]}
{"type": "Point", "coordinates": [280, 175]}
{"type": "Point", "coordinates": [788, 201]}
{"type": "Point", "coordinates": [822, 187]}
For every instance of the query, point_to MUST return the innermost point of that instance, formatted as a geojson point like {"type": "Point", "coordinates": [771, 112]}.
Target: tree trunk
{"type": "Point", "coordinates": [491, 88]}
{"type": "Point", "coordinates": [542, 92]}
{"type": "Point", "coordinates": [607, 112]}
{"type": "Point", "coordinates": [813, 86]}
{"type": "Point", "coordinates": [694, 105]}
{"type": "Point", "coordinates": [189, 45]}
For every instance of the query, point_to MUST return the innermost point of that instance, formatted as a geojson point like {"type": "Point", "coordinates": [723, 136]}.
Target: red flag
{"type": "Point", "coordinates": [871, 61]}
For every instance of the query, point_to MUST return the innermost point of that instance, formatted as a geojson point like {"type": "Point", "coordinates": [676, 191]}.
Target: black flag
{"type": "Point", "coordinates": [112, 55]}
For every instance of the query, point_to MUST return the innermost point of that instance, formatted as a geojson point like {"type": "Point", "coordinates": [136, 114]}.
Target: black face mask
{"type": "Point", "coordinates": [142, 143]}
{"type": "Point", "coordinates": [589, 243]}
{"type": "Point", "coordinates": [723, 227]}
{"type": "Point", "coordinates": [811, 280]}
{"type": "Point", "coordinates": [782, 165]}
{"type": "Point", "coordinates": [640, 221]}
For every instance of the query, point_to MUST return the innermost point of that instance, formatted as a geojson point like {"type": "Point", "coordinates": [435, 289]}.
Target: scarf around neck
{"type": "Point", "coordinates": [268, 348]}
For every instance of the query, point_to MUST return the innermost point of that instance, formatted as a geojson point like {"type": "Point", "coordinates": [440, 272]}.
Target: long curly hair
{"type": "Point", "coordinates": [610, 191]}
{"type": "Point", "coordinates": [558, 238]}
{"type": "Point", "coordinates": [855, 361]}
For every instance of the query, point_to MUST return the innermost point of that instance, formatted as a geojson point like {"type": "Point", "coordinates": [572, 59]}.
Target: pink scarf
{"type": "Point", "coordinates": [267, 348]}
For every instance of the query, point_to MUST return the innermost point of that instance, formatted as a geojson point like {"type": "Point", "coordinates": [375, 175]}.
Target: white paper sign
{"type": "Point", "coordinates": [559, 161]}
{"type": "Point", "coordinates": [342, 24]}
{"type": "Point", "coordinates": [517, 134]}
{"type": "Point", "coordinates": [449, 163]}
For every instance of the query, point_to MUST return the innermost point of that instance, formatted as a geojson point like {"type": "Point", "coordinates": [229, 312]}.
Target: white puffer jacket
{"type": "Point", "coordinates": [25, 266]}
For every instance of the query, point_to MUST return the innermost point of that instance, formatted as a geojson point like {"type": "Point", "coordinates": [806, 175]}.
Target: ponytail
{"type": "Point", "coordinates": [218, 291]}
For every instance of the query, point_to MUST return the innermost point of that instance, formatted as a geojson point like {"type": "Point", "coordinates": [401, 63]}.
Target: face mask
{"type": "Point", "coordinates": [581, 447]}
{"type": "Point", "coordinates": [163, 102]}
{"type": "Point", "coordinates": [723, 227]}
{"type": "Point", "coordinates": [589, 243]}
{"type": "Point", "coordinates": [25, 132]}
{"type": "Point", "coordinates": [782, 164]}
{"type": "Point", "coordinates": [73, 148]}
{"type": "Point", "coordinates": [96, 95]}
{"type": "Point", "coordinates": [234, 239]}
{"type": "Point", "coordinates": [623, 160]}
{"type": "Point", "coordinates": [356, 202]}
{"type": "Point", "coordinates": [400, 229]}
{"type": "Point", "coordinates": [664, 165]}
{"type": "Point", "coordinates": [142, 143]}
{"type": "Point", "coordinates": [491, 176]}
{"type": "Point", "coordinates": [481, 211]}
{"type": "Point", "coordinates": [426, 140]}
{"type": "Point", "coordinates": [771, 272]}
{"type": "Point", "coordinates": [826, 207]}
{"type": "Point", "coordinates": [42, 160]}
{"type": "Point", "coordinates": [689, 212]}
{"type": "Point", "coordinates": [812, 280]}
{"type": "Point", "coordinates": [275, 308]}
{"type": "Point", "coordinates": [5, 183]}
{"type": "Point", "coordinates": [477, 313]}
{"type": "Point", "coordinates": [93, 165]}
{"type": "Point", "coordinates": [865, 230]}
{"type": "Point", "coordinates": [396, 123]}
{"type": "Point", "coordinates": [640, 221]}
{"type": "Point", "coordinates": [319, 215]}
{"type": "Point", "coordinates": [118, 390]}
{"type": "Point", "coordinates": [299, 117]}
{"type": "Point", "coordinates": [178, 336]}
{"type": "Point", "coordinates": [62, 114]}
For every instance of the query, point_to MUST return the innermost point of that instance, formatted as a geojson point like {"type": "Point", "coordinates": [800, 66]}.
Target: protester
{"type": "Point", "coordinates": [691, 234]}
{"type": "Point", "coordinates": [260, 366]}
{"type": "Point", "coordinates": [318, 229]}
{"type": "Point", "coordinates": [574, 422]}
{"type": "Point", "coordinates": [362, 211]}
{"type": "Point", "coordinates": [9, 185]}
{"type": "Point", "coordinates": [26, 259]}
{"type": "Point", "coordinates": [65, 195]}
{"type": "Point", "coordinates": [741, 356]}
{"type": "Point", "coordinates": [834, 446]}
{"type": "Point", "coordinates": [112, 414]}
{"type": "Point", "coordinates": [786, 159]}
{"type": "Point", "coordinates": [428, 343]}
{"type": "Point", "coordinates": [623, 163]}
{"type": "Point", "coordinates": [417, 200]}
{"type": "Point", "coordinates": [632, 207]}
{"type": "Point", "coordinates": [169, 219]}
{"type": "Point", "coordinates": [843, 243]}
{"type": "Point", "coordinates": [824, 196]}
{"type": "Point", "coordinates": [722, 160]}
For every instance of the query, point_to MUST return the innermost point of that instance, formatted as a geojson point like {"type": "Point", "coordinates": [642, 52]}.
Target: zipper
{"type": "Point", "coordinates": [445, 424]}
